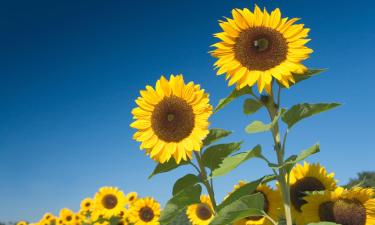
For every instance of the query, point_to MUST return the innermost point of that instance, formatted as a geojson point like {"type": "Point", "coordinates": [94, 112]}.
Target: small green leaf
{"type": "Point", "coordinates": [302, 111]}
{"type": "Point", "coordinates": [249, 205]}
{"type": "Point", "coordinates": [233, 95]}
{"type": "Point", "coordinates": [234, 161]}
{"type": "Point", "coordinates": [184, 182]}
{"type": "Point", "coordinates": [250, 106]}
{"type": "Point", "coordinates": [215, 154]}
{"type": "Point", "coordinates": [166, 167]}
{"type": "Point", "coordinates": [323, 223]}
{"type": "Point", "coordinates": [184, 198]}
{"type": "Point", "coordinates": [308, 74]}
{"type": "Point", "coordinates": [247, 189]}
{"type": "Point", "coordinates": [258, 127]}
{"type": "Point", "coordinates": [215, 135]}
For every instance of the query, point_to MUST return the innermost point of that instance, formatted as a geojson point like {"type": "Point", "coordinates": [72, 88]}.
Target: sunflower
{"type": "Point", "coordinates": [172, 119]}
{"type": "Point", "coordinates": [259, 46]}
{"type": "Point", "coordinates": [144, 211]}
{"type": "Point", "coordinates": [272, 205]}
{"type": "Point", "coordinates": [201, 213]}
{"type": "Point", "coordinates": [87, 205]}
{"type": "Point", "coordinates": [109, 201]}
{"type": "Point", "coordinates": [22, 222]}
{"type": "Point", "coordinates": [346, 207]}
{"type": "Point", "coordinates": [307, 178]}
{"type": "Point", "coordinates": [48, 217]}
{"type": "Point", "coordinates": [67, 217]}
{"type": "Point", "coordinates": [132, 197]}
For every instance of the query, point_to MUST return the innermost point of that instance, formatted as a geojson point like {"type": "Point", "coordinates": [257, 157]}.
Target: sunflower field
{"type": "Point", "coordinates": [261, 54]}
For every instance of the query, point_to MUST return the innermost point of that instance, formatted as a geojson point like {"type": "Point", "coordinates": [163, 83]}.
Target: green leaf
{"type": "Point", "coordinates": [234, 161]}
{"type": "Point", "coordinates": [233, 95]}
{"type": "Point", "coordinates": [258, 127]}
{"type": "Point", "coordinates": [184, 198]}
{"type": "Point", "coordinates": [308, 74]}
{"type": "Point", "coordinates": [215, 135]}
{"type": "Point", "coordinates": [323, 223]}
{"type": "Point", "coordinates": [181, 219]}
{"type": "Point", "coordinates": [301, 111]}
{"type": "Point", "coordinates": [292, 160]}
{"type": "Point", "coordinates": [214, 155]}
{"type": "Point", "coordinates": [250, 106]}
{"type": "Point", "coordinates": [247, 189]}
{"type": "Point", "coordinates": [166, 167]}
{"type": "Point", "coordinates": [249, 205]}
{"type": "Point", "coordinates": [184, 182]}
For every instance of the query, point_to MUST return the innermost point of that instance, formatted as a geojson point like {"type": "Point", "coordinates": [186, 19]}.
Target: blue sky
{"type": "Point", "coordinates": [70, 71]}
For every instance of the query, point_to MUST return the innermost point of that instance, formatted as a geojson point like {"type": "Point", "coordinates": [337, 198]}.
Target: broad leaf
{"type": "Point", "coordinates": [166, 167]}
{"type": "Point", "coordinates": [247, 189]}
{"type": "Point", "coordinates": [234, 161]}
{"type": "Point", "coordinates": [301, 111]}
{"type": "Point", "coordinates": [233, 95]}
{"type": "Point", "coordinates": [250, 106]}
{"type": "Point", "coordinates": [259, 126]}
{"type": "Point", "coordinates": [184, 182]}
{"type": "Point", "coordinates": [308, 74]}
{"type": "Point", "coordinates": [215, 135]}
{"type": "Point", "coordinates": [214, 155]}
{"type": "Point", "coordinates": [179, 202]}
{"type": "Point", "coordinates": [180, 219]}
{"type": "Point", "coordinates": [249, 205]}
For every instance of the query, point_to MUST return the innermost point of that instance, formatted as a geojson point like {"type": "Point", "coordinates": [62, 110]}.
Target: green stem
{"type": "Point", "coordinates": [205, 181]}
{"type": "Point", "coordinates": [273, 110]}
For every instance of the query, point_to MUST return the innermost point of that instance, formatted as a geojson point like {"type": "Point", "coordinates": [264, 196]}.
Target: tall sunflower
{"type": "Point", "coordinates": [259, 46]}
{"type": "Point", "coordinates": [346, 207]}
{"type": "Point", "coordinates": [109, 201]}
{"type": "Point", "coordinates": [172, 119]}
{"type": "Point", "coordinates": [307, 178]}
{"type": "Point", "coordinates": [144, 211]}
{"type": "Point", "coordinates": [201, 213]}
{"type": "Point", "coordinates": [272, 205]}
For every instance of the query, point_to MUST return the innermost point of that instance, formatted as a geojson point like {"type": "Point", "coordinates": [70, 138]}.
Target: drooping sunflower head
{"type": "Point", "coordinates": [109, 201]}
{"type": "Point", "coordinates": [259, 46]}
{"type": "Point", "coordinates": [272, 205]}
{"type": "Point", "coordinates": [307, 178]}
{"type": "Point", "coordinates": [347, 207]}
{"type": "Point", "coordinates": [201, 213]}
{"type": "Point", "coordinates": [144, 211]}
{"type": "Point", "coordinates": [132, 197]}
{"type": "Point", "coordinates": [87, 205]}
{"type": "Point", "coordinates": [172, 119]}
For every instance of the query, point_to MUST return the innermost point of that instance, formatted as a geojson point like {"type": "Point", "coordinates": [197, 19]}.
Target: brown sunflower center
{"type": "Point", "coordinates": [131, 198]}
{"type": "Point", "coordinates": [265, 208]}
{"type": "Point", "coordinates": [69, 218]}
{"type": "Point", "coordinates": [203, 211]}
{"type": "Point", "coordinates": [297, 190]}
{"type": "Point", "coordinates": [173, 119]}
{"type": "Point", "coordinates": [260, 48]}
{"type": "Point", "coordinates": [343, 211]}
{"type": "Point", "coordinates": [87, 204]}
{"type": "Point", "coordinates": [109, 201]}
{"type": "Point", "coordinates": [146, 214]}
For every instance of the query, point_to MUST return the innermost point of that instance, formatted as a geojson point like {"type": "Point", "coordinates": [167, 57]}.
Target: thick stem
{"type": "Point", "coordinates": [205, 181]}
{"type": "Point", "coordinates": [273, 110]}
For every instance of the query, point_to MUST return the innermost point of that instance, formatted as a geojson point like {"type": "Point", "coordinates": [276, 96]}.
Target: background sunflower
{"type": "Point", "coordinates": [201, 213]}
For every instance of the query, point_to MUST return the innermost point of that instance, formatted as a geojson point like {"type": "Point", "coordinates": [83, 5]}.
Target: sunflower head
{"type": "Point", "coordinates": [347, 207]}
{"type": "Point", "coordinates": [171, 119]}
{"type": "Point", "coordinates": [259, 46]}
{"type": "Point", "coordinates": [145, 211]}
{"type": "Point", "coordinates": [87, 205]}
{"type": "Point", "coordinates": [201, 213]}
{"type": "Point", "coordinates": [132, 197]}
{"type": "Point", "coordinates": [307, 178]}
{"type": "Point", "coordinates": [22, 222]}
{"type": "Point", "coordinates": [67, 216]}
{"type": "Point", "coordinates": [109, 201]}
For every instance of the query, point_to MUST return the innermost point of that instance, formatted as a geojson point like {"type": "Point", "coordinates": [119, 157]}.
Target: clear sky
{"type": "Point", "coordinates": [70, 71]}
